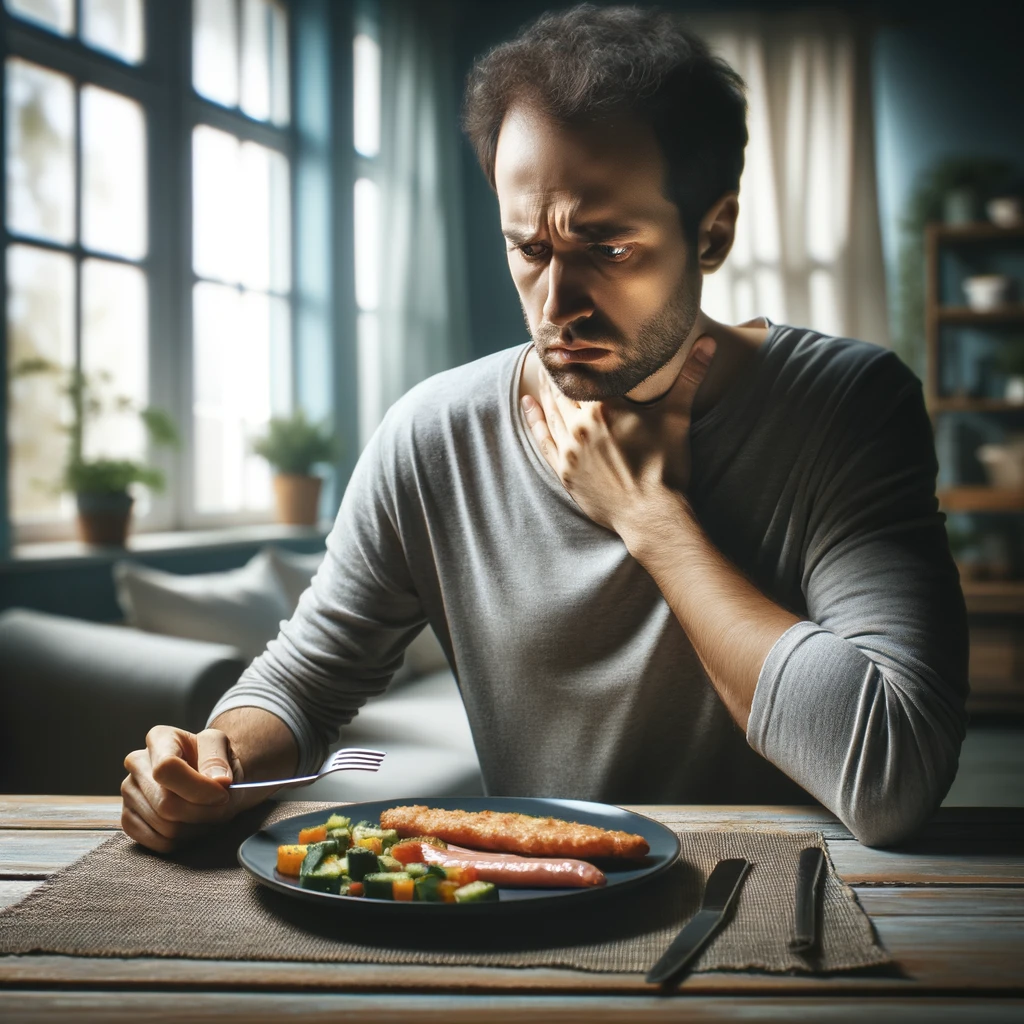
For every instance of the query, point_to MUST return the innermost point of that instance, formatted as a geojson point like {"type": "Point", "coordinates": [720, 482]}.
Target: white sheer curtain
{"type": "Point", "coordinates": [808, 248]}
{"type": "Point", "coordinates": [421, 323]}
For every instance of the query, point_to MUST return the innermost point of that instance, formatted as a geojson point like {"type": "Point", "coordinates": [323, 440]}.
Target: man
{"type": "Point", "coordinates": [670, 560]}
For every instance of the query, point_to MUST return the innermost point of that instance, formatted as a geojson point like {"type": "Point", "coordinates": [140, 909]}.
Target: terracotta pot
{"type": "Point", "coordinates": [298, 498]}
{"type": "Point", "coordinates": [103, 518]}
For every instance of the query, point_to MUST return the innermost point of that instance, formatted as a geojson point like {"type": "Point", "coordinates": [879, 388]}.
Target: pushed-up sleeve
{"type": "Point", "coordinates": [347, 637]}
{"type": "Point", "coordinates": [863, 704]}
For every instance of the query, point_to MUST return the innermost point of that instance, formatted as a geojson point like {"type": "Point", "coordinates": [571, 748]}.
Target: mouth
{"type": "Point", "coordinates": [582, 354]}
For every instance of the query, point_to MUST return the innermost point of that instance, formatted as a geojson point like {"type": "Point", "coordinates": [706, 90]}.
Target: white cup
{"type": "Point", "coordinates": [986, 292]}
{"type": "Point", "coordinates": [1005, 211]}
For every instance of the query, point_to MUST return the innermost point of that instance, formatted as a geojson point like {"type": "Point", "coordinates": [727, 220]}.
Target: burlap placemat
{"type": "Point", "coordinates": [120, 900]}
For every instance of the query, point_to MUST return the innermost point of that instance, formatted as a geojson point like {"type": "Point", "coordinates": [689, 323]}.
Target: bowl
{"type": "Point", "coordinates": [986, 292]}
{"type": "Point", "coordinates": [1005, 211]}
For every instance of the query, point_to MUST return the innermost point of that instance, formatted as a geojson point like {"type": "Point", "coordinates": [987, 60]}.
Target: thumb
{"type": "Point", "coordinates": [213, 755]}
{"type": "Point", "coordinates": [697, 362]}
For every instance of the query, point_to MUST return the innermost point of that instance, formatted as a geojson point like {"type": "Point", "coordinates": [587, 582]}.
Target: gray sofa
{"type": "Point", "coordinates": [76, 697]}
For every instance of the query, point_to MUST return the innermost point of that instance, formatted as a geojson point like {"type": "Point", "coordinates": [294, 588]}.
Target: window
{"type": "Point", "coordinates": [366, 141]}
{"type": "Point", "coordinates": [96, 194]}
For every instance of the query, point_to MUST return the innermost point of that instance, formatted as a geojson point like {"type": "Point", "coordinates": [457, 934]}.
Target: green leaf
{"type": "Point", "coordinates": [110, 476]}
{"type": "Point", "coordinates": [294, 445]}
{"type": "Point", "coordinates": [162, 429]}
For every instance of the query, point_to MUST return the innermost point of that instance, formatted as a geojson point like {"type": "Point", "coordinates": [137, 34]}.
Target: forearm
{"type": "Point", "coordinates": [262, 742]}
{"type": "Point", "coordinates": [730, 623]}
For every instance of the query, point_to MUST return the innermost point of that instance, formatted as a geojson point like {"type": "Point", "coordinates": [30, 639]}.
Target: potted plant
{"type": "Point", "coordinates": [101, 486]}
{"type": "Point", "coordinates": [293, 445]}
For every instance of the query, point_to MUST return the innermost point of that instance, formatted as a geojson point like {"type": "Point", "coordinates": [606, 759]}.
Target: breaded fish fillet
{"type": "Point", "coordinates": [513, 833]}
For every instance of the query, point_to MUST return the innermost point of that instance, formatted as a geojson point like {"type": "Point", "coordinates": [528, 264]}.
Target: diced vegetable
{"type": "Point", "coordinates": [387, 836]}
{"type": "Point", "coordinates": [437, 871]}
{"type": "Point", "coordinates": [386, 863]}
{"type": "Point", "coordinates": [361, 862]}
{"type": "Point", "coordinates": [315, 853]}
{"type": "Point", "coordinates": [379, 886]}
{"type": "Point", "coordinates": [446, 890]}
{"type": "Point", "coordinates": [355, 888]}
{"type": "Point", "coordinates": [371, 843]}
{"type": "Point", "coordinates": [338, 821]}
{"type": "Point", "coordinates": [342, 836]}
{"type": "Point", "coordinates": [289, 859]}
{"type": "Point", "coordinates": [416, 870]}
{"type": "Point", "coordinates": [402, 886]}
{"type": "Point", "coordinates": [325, 877]}
{"type": "Point", "coordinates": [463, 874]}
{"type": "Point", "coordinates": [317, 834]}
{"type": "Point", "coordinates": [427, 889]}
{"type": "Point", "coordinates": [477, 892]}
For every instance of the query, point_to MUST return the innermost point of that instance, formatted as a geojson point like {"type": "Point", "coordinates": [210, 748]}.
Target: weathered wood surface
{"type": "Point", "coordinates": [320, 1008]}
{"type": "Point", "coordinates": [950, 909]}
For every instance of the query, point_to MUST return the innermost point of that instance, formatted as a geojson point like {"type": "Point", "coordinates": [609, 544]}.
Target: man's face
{"type": "Point", "coordinates": [596, 251]}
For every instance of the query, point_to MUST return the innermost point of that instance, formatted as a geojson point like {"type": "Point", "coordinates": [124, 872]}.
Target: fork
{"type": "Point", "coordinates": [349, 759]}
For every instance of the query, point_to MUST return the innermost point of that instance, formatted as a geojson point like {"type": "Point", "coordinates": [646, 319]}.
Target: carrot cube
{"type": "Point", "coordinates": [355, 889]}
{"type": "Point", "coordinates": [402, 888]}
{"type": "Point", "coordinates": [371, 843]}
{"type": "Point", "coordinates": [318, 834]}
{"type": "Point", "coordinates": [446, 890]}
{"type": "Point", "coordinates": [289, 859]}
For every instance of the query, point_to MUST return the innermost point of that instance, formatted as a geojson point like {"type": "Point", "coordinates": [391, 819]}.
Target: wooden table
{"type": "Point", "coordinates": [949, 908]}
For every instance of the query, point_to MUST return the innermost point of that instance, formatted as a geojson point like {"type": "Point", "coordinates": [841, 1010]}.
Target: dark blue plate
{"type": "Point", "coordinates": [258, 854]}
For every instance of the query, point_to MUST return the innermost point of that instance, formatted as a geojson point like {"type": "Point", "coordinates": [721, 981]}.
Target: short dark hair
{"type": "Point", "coordinates": [587, 62]}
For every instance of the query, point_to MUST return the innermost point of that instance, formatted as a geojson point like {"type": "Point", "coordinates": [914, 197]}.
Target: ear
{"type": "Point", "coordinates": [717, 232]}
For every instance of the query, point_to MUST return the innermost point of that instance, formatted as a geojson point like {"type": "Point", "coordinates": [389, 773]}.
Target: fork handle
{"type": "Point", "coordinates": [276, 783]}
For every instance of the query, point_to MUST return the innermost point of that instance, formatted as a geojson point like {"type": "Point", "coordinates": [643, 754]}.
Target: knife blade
{"type": "Point", "coordinates": [720, 894]}
{"type": "Point", "coordinates": [809, 872]}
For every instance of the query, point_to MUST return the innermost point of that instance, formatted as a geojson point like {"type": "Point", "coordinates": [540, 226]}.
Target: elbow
{"type": "Point", "coordinates": [898, 805]}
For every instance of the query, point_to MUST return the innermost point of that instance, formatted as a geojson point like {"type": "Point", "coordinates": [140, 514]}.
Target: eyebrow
{"type": "Point", "coordinates": [603, 231]}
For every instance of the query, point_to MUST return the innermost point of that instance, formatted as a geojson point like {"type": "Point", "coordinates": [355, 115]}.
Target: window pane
{"type": "Point", "coordinates": [367, 229]}
{"type": "Point", "coordinates": [238, 338]}
{"type": "Point", "coordinates": [241, 211]}
{"type": "Point", "coordinates": [367, 96]}
{"type": "Point", "coordinates": [215, 51]}
{"type": "Point", "coordinates": [40, 325]}
{"type": "Point", "coordinates": [58, 15]}
{"type": "Point", "coordinates": [114, 356]}
{"type": "Point", "coordinates": [116, 27]}
{"type": "Point", "coordinates": [265, 60]}
{"type": "Point", "coordinates": [40, 152]}
{"type": "Point", "coordinates": [113, 173]}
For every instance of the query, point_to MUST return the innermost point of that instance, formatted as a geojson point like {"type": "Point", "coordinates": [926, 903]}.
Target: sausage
{"type": "Point", "coordinates": [507, 869]}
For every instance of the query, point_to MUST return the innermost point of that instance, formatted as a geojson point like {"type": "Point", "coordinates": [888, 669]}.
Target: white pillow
{"type": "Point", "coordinates": [241, 607]}
{"type": "Point", "coordinates": [423, 656]}
{"type": "Point", "coordinates": [294, 571]}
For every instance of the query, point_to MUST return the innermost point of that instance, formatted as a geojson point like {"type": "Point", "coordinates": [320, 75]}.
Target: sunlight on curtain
{"type": "Point", "coordinates": [808, 248]}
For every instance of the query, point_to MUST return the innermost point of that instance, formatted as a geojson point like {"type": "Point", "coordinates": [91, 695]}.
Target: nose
{"type": "Point", "coordinates": [568, 298]}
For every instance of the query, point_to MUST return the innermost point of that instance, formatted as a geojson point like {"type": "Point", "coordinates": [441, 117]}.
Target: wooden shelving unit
{"type": "Point", "coordinates": [995, 607]}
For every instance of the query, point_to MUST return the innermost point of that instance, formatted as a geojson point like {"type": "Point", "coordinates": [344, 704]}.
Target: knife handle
{"type": "Point", "coordinates": [808, 885]}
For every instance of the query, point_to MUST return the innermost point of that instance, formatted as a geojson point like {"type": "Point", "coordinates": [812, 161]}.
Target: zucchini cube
{"type": "Point", "coordinates": [361, 862]}
{"type": "Point", "coordinates": [477, 892]}
{"type": "Point", "coordinates": [338, 821]}
{"type": "Point", "coordinates": [377, 886]}
{"type": "Point", "coordinates": [326, 877]}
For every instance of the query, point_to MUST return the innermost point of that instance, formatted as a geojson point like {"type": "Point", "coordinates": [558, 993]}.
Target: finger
{"type": "Point", "coordinates": [170, 807]}
{"type": "Point", "coordinates": [539, 428]}
{"type": "Point", "coordinates": [135, 828]}
{"type": "Point", "coordinates": [135, 800]}
{"type": "Point", "coordinates": [214, 756]}
{"type": "Point", "coordinates": [696, 366]}
{"type": "Point", "coordinates": [552, 412]}
{"type": "Point", "coordinates": [173, 754]}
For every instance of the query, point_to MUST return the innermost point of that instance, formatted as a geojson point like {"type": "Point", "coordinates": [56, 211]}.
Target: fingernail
{"type": "Point", "coordinates": [216, 772]}
{"type": "Point", "coordinates": [528, 402]}
{"type": "Point", "coordinates": [703, 352]}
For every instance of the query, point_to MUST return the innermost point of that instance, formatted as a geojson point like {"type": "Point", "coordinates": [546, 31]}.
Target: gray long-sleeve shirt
{"type": "Point", "coordinates": [814, 474]}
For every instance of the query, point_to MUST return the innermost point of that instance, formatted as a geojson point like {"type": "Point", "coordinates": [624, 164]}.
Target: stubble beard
{"type": "Point", "coordinates": [657, 341]}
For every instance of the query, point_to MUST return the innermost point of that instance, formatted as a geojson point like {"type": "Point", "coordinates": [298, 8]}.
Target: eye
{"type": "Point", "coordinates": [532, 250]}
{"type": "Point", "coordinates": [615, 253]}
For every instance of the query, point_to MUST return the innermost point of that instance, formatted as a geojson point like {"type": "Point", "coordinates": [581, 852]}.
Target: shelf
{"type": "Point", "coordinates": [964, 403]}
{"type": "Point", "coordinates": [993, 597]}
{"type": "Point", "coordinates": [965, 315]}
{"type": "Point", "coordinates": [981, 499]}
{"type": "Point", "coordinates": [979, 232]}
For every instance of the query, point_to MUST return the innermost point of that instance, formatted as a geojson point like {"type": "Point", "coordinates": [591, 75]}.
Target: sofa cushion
{"type": "Point", "coordinates": [423, 656]}
{"type": "Point", "coordinates": [241, 607]}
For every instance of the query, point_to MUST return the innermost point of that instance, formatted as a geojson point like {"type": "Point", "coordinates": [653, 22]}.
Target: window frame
{"type": "Point", "coordinates": [162, 84]}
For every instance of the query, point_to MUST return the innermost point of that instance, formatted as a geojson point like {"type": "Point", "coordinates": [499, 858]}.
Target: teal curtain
{"type": "Point", "coordinates": [423, 325]}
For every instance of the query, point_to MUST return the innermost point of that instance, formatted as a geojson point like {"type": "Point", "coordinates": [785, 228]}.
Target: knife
{"type": "Point", "coordinates": [719, 896]}
{"type": "Point", "coordinates": [809, 872]}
